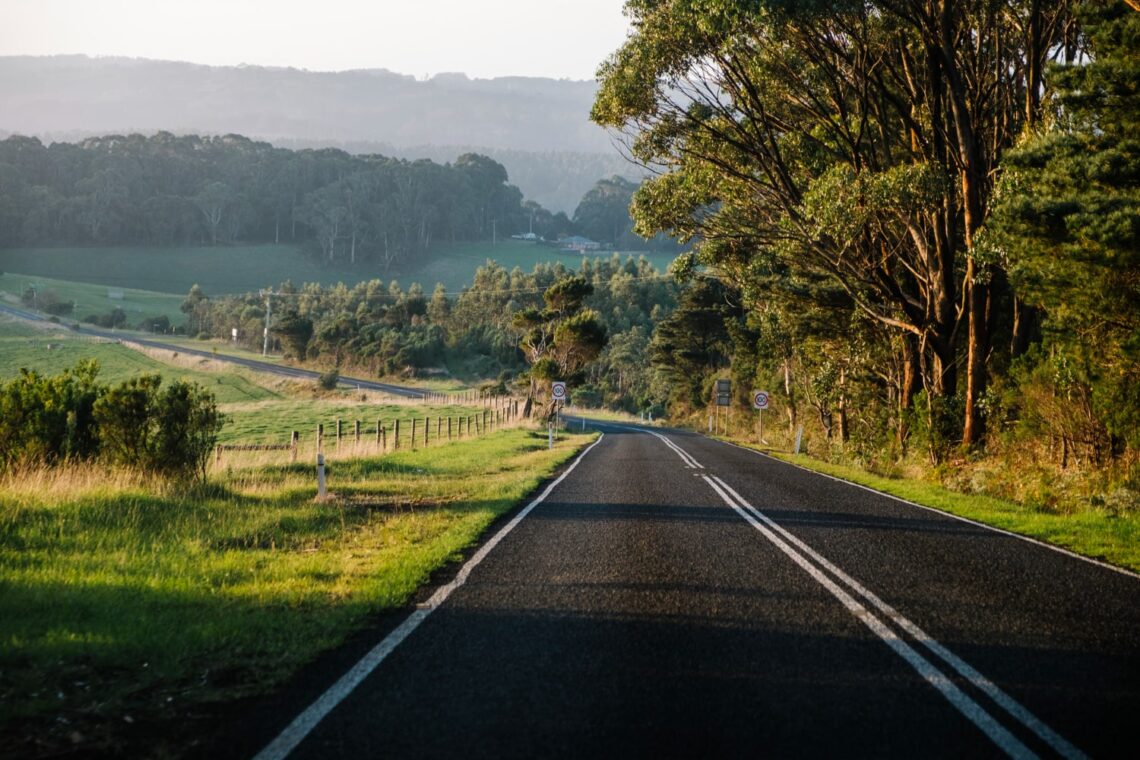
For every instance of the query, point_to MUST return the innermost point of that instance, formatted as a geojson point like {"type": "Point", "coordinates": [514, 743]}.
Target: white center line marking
{"type": "Point", "coordinates": [974, 712]}
{"type": "Point", "coordinates": [1011, 706]}
{"type": "Point", "coordinates": [964, 669]}
{"type": "Point", "coordinates": [304, 723]}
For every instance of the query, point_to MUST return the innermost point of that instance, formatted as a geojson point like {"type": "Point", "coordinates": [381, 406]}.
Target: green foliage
{"type": "Point", "coordinates": [295, 331]}
{"type": "Point", "coordinates": [1068, 222]}
{"type": "Point", "coordinates": [694, 341]}
{"type": "Point", "coordinates": [165, 189]}
{"type": "Point", "coordinates": [328, 380]}
{"type": "Point", "coordinates": [48, 420]}
{"type": "Point", "coordinates": [167, 432]}
{"type": "Point", "coordinates": [561, 340]}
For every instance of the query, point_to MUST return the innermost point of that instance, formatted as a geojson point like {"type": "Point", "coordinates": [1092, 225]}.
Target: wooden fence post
{"type": "Point", "coordinates": [294, 438]}
{"type": "Point", "coordinates": [320, 437]}
{"type": "Point", "coordinates": [383, 440]}
{"type": "Point", "coordinates": [413, 432]}
{"type": "Point", "coordinates": [379, 433]}
{"type": "Point", "coordinates": [438, 428]}
{"type": "Point", "coordinates": [338, 432]}
{"type": "Point", "coordinates": [427, 424]}
{"type": "Point", "coordinates": [395, 434]}
{"type": "Point", "coordinates": [356, 432]}
{"type": "Point", "coordinates": [449, 428]}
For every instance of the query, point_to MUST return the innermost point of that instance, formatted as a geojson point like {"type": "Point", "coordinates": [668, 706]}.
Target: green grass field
{"type": "Point", "coordinates": [95, 299]}
{"type": "Point", "coordinates": [225, 269]}
{"type": "Point", "coordinates": [50, 351]}
{"type": "Point", "coordinates": [273, 421]}
{"type": "Point", "coordinates": [240, 269]}
{"type": "Point", "coordinates": [124, 606]}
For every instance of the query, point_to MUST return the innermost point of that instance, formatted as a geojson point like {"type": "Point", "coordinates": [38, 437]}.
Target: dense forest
{"type": "Point", "coordinates": [924, 217]}
{"type": "Point", "coordinates": [349, 210]}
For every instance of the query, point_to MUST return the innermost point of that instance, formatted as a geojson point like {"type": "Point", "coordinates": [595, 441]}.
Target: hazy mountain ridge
{"type": "Point", "coordinates": [363, 110]}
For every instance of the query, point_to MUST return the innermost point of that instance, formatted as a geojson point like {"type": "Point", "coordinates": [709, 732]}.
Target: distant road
{"type": "Point", "coordinates": [274, 369]}
{"type": "Point", "coordinates": [675, 596]}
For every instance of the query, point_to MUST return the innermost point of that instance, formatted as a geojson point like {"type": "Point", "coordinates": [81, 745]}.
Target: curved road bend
{"type": "Point", "coordinates": [273, 369]}
{"type": "Point", "coordinates": [677, 596]}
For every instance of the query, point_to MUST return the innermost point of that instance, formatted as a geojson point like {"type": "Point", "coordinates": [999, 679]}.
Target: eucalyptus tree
{"type": "Point", "coordinates": [850, 141]}
{"type": "Point", "coordinates": [1067, 220]}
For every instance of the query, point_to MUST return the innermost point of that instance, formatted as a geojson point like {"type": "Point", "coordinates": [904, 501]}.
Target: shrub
{"type": "Point", "coordinates": [328, 380]}
{"type": "Point", "coordinates": [48, 419]}
{"type": "Point", "coordinates": [166, 432]}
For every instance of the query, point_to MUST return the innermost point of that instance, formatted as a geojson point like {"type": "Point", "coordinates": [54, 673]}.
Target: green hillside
{"type": "Point", "coordinates": [240, 269]}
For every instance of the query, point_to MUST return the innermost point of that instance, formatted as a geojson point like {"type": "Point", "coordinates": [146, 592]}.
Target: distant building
{"type": "Point", "coordinates": [525, 236]}
{"type": "Point", "coordinates": [578, 243]}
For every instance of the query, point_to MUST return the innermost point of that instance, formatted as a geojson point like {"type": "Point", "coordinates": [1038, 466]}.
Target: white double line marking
{"type": "Point", "coordinates": [686, 457]}
{"type": "Point", "coordinates": [789, 544]}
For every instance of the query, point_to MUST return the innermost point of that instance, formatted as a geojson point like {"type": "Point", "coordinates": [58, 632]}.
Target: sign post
{"type": "Point", "coordinates": [557, 397]}
{"type": "Point", "coordinates": [724, 398]}
{"type": "Point", "coordinates": [760, 403]}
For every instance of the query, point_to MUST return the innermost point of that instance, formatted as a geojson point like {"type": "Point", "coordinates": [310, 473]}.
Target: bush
{"type": "Point", "coordinates": [328, 380]}
{"type": "Point", "coordinates": [70, 416]}
{"type": "Point", "coordinates": [49, 419]}
{"type": "Point", "coordinates": [166, 432]}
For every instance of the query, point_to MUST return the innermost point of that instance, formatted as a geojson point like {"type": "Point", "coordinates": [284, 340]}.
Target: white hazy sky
{"type": "Point", "coordinates": [483, 38]}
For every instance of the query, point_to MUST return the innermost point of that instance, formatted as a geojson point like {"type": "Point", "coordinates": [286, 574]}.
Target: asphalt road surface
{"type": "Point", "coordinates": [673, 596]}
{"type": "Point", "coordinates": [273, 369]}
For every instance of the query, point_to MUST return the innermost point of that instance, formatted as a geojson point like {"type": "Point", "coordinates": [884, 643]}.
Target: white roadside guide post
{"type": "Point", "coordinates": [557, 397]}
{"type": "Point", "coordinates": [322, 494]}
{"type": "Point", "coordinates": [760, 402]}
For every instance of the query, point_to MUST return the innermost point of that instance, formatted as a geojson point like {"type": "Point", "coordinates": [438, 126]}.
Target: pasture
{"type": "Point", "coordinates": [92, 298]}
{"type": "Point", "coordinates": [150, 272]}
{"type": "Point", "coordinates": [50, 350]}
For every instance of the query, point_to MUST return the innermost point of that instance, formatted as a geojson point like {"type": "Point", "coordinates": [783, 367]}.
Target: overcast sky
{"type": "Point", "coordinates": [483, 38]}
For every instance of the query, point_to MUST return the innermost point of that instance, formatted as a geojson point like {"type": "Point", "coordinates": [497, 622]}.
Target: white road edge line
{"type": "Point", "coordinates": [1058, 743]}
{"type": "Point", "coordinates": [303, 724]}
{"type": "Point", "coordinates": [973, 712]}
{"type": "Point", "coordinates": [936, 510]}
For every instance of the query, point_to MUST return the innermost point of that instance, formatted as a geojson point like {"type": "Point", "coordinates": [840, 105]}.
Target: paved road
{"type": "Point", "coordinates": [676, 596]}
{"type": "Point", "coordinates": [273, 369]}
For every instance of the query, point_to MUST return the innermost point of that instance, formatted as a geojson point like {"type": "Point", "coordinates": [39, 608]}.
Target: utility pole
{"type": "Point", "coordinates": [494, 233]}
{"type": "Point", "coordinates": [268, 316]}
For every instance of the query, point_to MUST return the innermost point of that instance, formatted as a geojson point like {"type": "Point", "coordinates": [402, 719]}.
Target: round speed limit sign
{"type": "Point", "coordinates": [760, 399]}
{"type": "Point", "coordinates": [558, 391]}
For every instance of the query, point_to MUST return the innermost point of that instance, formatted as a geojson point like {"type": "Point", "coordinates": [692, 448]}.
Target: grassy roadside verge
{"type": "Point", "coordinates": [1092, 533]}
{"type": "Point", "coordinates": [121, 608]}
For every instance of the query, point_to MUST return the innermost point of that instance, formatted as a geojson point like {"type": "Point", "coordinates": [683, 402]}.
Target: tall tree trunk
{"type": "Point", "coordinates": [790, 391]}
{"type": "Point", "coordinates": [971, 173]}
{"type": "Point", "coordinates": [977, 347]}
{"type": "Point", "coordinates": [910, 373]}
{"type": "Point", "coordinates": [844, 432]}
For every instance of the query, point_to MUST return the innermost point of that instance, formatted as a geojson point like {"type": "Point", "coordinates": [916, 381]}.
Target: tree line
{"type": "Point", "coordinates": [922, 216]}
{"type": "Point", "coordinates": [591, 326]}
{"type": "Point", "coordinates": [348, 210]}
